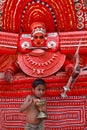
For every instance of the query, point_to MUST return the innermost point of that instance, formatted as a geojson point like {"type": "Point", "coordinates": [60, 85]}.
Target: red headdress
{"type": "Point", "coordinates": [38, 27]}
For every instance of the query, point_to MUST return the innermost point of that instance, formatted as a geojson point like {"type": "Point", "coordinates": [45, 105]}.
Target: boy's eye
{"type": "Point", "coordinates": [43, 90]}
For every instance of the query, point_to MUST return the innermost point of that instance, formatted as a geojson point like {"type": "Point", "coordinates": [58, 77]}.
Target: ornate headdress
{"type": "Point", "coordinates": [38, 27]}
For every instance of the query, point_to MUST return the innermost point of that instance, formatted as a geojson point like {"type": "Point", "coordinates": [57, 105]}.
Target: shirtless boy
{"type": "Point", "coordinates": [30, 107]}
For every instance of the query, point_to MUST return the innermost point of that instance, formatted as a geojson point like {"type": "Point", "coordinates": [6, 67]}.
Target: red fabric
{"type": "Point", "coordinates": [62, 114]}
{"type": "Point", "coordinates": [6, 61]}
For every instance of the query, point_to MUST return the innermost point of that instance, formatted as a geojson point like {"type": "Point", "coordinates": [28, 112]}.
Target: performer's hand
{"type": "Point", "coordinates": [8, 76]}
{"type": "Point", "coordinates": [76, 72]}
{"type": "Point", "coordinates": [69, 69]}
{"type": "Point", "coordinates": [69, 72]}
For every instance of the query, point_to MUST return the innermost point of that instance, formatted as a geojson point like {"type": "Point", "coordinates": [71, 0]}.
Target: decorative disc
{"type": "Point", "coordinates": [42, 65]}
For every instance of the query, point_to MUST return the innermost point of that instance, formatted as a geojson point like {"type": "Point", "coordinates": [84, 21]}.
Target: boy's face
{"type": "Point", "coordinates": [39, 91]}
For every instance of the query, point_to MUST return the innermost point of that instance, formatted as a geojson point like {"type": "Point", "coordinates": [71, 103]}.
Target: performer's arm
{"type": "Point", "coordinates": [10, 71]}
{"type": "Point", "coordinates": [68, 67]}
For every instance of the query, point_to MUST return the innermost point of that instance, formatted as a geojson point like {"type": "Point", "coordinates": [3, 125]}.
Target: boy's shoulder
{"type": "Point", "coordinates": [29, 96]}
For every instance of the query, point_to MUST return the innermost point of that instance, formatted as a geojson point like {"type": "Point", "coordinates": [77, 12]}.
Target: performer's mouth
{"type": "Point", "coordinates": [38, 44]}
{"type": "Point", "coordinates": [37, 52]}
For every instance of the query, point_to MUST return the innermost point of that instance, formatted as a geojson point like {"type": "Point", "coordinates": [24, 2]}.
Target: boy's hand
{"type": "Point", "coordinates": [36, 100]}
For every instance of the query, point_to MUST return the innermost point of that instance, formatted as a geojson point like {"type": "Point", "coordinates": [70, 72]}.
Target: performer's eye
{"type": "Point", "coordinates": [35, 37]}
{"type": "Point", "coordinates": [41, 37]}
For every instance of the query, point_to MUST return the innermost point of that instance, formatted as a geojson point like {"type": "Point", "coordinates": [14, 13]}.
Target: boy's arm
{"type": "Point", "coordinates": [26, 104]}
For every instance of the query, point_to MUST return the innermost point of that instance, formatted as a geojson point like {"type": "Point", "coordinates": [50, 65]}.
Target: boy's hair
{"type": "Point", "coordinates": [37, 82]}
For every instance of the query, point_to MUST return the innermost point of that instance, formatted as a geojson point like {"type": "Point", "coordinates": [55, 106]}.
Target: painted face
{"type": "Point", "coordinates": [39, 39]}
{"type": "Point", "coordinates": [39, 91]}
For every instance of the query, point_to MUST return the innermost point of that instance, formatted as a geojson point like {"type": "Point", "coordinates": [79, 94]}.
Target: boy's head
{"type": "Point", "coordinates": [37, 82]}
{"type": "Point", "coordinates": [38, 87]}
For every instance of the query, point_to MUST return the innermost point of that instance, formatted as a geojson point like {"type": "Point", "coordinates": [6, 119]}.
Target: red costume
{"type": "Point", "coordinates": [39, 58]}
{"type": "Point", "coordinates": [45, 55]}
